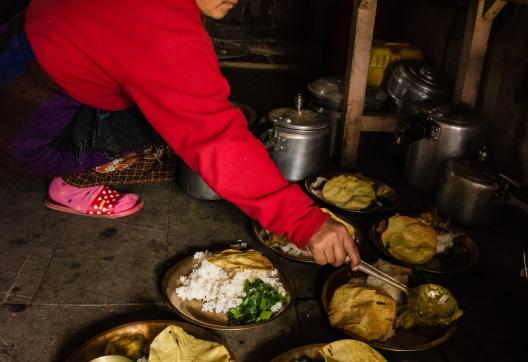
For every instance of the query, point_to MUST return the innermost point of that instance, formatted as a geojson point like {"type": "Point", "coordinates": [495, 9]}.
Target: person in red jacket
{"type": "Point", "coordinates": [83, 83]}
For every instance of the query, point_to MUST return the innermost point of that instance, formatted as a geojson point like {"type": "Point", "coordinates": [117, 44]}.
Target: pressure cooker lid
{"type": "Point", "coordinates": [423, 76]}
{"type": "Point", "coordinates": [458, 115]}
{"type": "Point", "coordinates": [329, 88]}
{"type": "Point", "coordinates": [298, 118]}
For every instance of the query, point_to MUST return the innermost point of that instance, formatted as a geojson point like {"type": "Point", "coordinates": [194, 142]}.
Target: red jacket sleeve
{"type": "Point", "coordinates": [184, 96]}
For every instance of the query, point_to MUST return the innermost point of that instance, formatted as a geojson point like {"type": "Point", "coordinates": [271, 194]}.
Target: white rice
{"type": "Point", "coordinates": [221, 290]}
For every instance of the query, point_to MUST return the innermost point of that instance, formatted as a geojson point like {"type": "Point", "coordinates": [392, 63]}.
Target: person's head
{"type": "Point", "coordinates": [215, 9]}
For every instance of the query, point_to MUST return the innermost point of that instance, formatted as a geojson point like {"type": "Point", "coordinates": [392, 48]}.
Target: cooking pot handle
{"type": "Point", "coordinates": [412, 129]}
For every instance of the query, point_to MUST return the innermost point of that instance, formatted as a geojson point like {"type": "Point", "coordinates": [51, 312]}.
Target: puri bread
{"type": "Point", "coordinates": [409, 239]}
{"type": "Point", "coordinates": [173, 344]}
{"type": "Point", "coordinates": [350, 350]}
{"type": "Point", "coordinates": [362, 311]}
{"type": "Point", "coordinates": [348, 192]}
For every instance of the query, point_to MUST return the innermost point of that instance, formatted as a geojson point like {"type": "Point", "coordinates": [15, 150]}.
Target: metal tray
{"type": "Point", "coordinates": [310, 351]}
{"type": "Point", "coordinates": [444, 263]}
{"type": "Point", "coordinates": [192, 310]}
{"type": "Point", "coordinates": [95, 346]}
{"type": "Point", "coordinates": [387, 200]}
{"type": "Point", "coordinates": [404, 340]}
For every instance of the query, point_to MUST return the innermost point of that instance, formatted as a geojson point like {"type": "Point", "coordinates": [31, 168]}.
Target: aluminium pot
{"type": "Point", "coordinates": [412, 83]}
{"type": "Point", "coordinates": [432, 138]}
{"type": "Point", "coordinates": [192, 183]}
{"type": "Point", "coordinates": [298, 141]}
{"type": "Point", "coordinates": [471, 194]}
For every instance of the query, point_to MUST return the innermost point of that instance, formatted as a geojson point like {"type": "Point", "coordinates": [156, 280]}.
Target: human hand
{"type": "Point", "coordinates": [332, 243]}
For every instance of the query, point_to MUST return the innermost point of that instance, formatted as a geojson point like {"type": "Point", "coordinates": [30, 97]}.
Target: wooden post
{"type": "Point", "coordinates": [474, 48]}
{"type": "Point", "coordinates": [362, 28]}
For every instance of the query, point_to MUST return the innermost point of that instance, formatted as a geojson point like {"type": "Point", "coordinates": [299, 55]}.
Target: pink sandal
{"type": "Point", "coordinates": [102, 205]}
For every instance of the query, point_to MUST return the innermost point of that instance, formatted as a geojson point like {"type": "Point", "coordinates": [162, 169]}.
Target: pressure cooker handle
{"type": "Point", "coordinates": [518, 197]}
{"type": "Point", "coordinates": [412, 129]}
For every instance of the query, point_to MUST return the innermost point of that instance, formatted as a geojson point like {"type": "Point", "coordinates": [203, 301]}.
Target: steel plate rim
{"type": "Point", "coordinates": [475, 256]}
{"type": "Point", "coordinates": [184, 325]}
{"type": "Point", "coordinates": [212, 326]}
{"type": "Point", "coordinates": [381, 345]}
{"type": "Point", "coordinates": [254, 229]}
{"type": "Point", "coordinates": [328, 175]}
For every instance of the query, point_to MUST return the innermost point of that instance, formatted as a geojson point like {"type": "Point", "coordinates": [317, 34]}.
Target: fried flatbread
{"type": "Point", "coordinates": [173, 344]}
{"type": "Point", "coordinates": [237, 259]}
{"type": "Point", "coordinates": [409, 239]}
{"type": "Point", "coordinates": [350, 350]}
{"type": "Point", "coordinates": [362, 311]}
{"type": "Point", "coordinates": [349, 192]}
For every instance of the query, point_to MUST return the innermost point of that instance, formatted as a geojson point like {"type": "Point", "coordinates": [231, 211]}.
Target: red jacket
{"type": "Point", "coordinates": [157, 54]}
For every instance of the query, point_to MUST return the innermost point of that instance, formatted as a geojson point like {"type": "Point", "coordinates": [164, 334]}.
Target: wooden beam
{"type": "Point", "coordinates": [494, 9]}
{"type": "Point", "coordinates": [473, 54]}
{"type": "Point", "coordinates": [362, 28]}
{"type": "Point", "coordinates": [379, 123]}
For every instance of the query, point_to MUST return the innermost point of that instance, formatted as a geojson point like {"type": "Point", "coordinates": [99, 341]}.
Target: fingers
{"type": "Point", "coordinates": [352, 252]}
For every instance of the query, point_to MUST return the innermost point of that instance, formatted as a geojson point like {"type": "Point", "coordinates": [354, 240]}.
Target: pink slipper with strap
{"type": "Point", "coordinates": [96, 201]}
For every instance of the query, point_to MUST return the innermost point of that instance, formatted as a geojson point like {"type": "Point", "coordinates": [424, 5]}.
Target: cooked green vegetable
{"type": "Point", "coordinates": [256, 306]}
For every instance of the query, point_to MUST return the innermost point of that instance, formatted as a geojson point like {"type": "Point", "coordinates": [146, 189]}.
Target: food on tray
{"type": "Point", "coordinates": [349, 192]}
{"type": "Point", "coordinates": [444, 234]}
{"type": "Point", "coordinates": [372, 310]}
{"type": "Point", "coordinates": [363, 311]}
{"type": "Point", "coordinates": [133, 346]}
{"type": "Point", "coordinates": [242, 284]}
{"type": "Point", "coordinates": [350, 350]}
{"type": "Point", "coordinates": [173, 344]}
{"type": "Point", "coordinates": [282, 243]}
{"type": "Point", "coordinates": [409, 239]}
{"type": "Point", "coordinates": [429, 305]}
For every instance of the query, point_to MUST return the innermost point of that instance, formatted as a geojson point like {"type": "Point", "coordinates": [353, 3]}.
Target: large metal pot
{"type": "Point", "coordinates": [326, 96]}
{"type": "Point", "coordinates": [413, 82]}
{"type": "Point", "coordinates": [298, 141]}
{"type": "Point", "coordinates": [192, 183]}
{"type": "Point", "coordinates": [471, 194]}
{"type": "Point", "coordinates": [433, 138]}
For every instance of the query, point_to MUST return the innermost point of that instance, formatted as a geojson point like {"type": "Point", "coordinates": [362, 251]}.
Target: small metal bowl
{"type": "Point", "coordinates": [112, 358]}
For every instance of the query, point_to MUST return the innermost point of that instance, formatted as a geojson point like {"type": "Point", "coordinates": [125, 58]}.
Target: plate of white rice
{"type": "Point", "coordinates": [206, 294]}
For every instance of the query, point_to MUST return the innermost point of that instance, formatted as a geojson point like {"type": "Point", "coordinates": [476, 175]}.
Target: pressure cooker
{"type": "Point", "coordinates": [436, 136]}
{"type": "Point", "coordinates": [298, 140]}
{"type": "Point", "coordinates": [412, 83]}
{"type": "Point", "coordinates": [471, 193]}
{"type": "Point", "coordinates": [326, 95]}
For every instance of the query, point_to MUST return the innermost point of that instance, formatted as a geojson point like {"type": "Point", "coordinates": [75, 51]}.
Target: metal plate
{"type": "Point", "coordinates": [467, 252]}
{"type": "Point", "coordinates": [404, 340]}
{"type": "Point", "coordinates": [192, 310]}
{"type": "Point", "coordinates": [95, 346]}
{"type": "Point", "coordinates": [387, 200]}
{"type": "Point", "coordinates": [225, 49]}
{"type": "Point", "coordinates": [262, 234]}
{"type": "Point", "coordinates": [310, 351]}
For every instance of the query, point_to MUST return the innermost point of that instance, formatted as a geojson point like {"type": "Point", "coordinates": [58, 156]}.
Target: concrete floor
{"type": "Point", "coordinates": [64, 278]}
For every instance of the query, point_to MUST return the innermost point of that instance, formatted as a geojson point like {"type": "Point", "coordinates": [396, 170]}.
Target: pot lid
{"type": "Point", "coordinates": [298, 118]}
{"type": "Point", "coordinates": [424, 77]}
{"type": "Point", "coordinates": [457, 115]}
{"type": "Point", "coordinates": [330, 88]}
